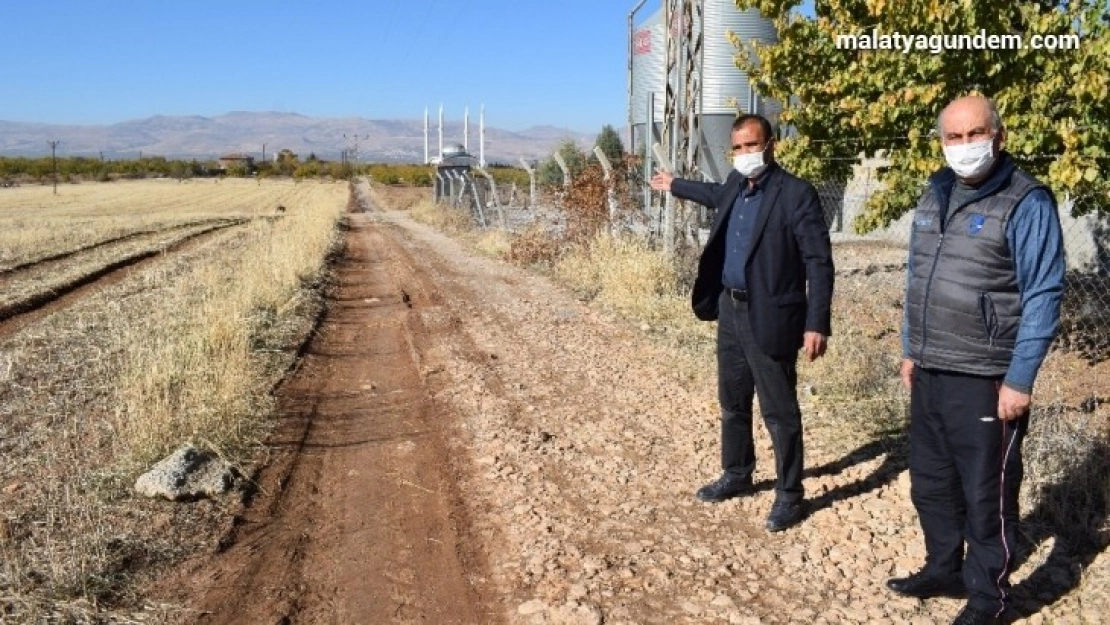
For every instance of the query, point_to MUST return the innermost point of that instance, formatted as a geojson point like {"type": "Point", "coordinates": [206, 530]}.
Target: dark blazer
{"type": "Point", "coordinates": [789, 250]}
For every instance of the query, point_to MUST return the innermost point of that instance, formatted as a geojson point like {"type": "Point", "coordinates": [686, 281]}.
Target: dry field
{"type": "Point", "coordinates": [135, 317]}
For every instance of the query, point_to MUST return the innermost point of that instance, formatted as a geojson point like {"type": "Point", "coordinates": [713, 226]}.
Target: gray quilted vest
{"type": "Point", "coordinates": [962, 298]}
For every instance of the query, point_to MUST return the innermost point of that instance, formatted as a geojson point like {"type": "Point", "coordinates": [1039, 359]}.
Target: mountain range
{"type": "Point", "coordinates": [263, 134]}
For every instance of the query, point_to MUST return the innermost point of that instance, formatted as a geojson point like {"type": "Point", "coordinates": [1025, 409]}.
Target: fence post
{"type": "Point", "coordinates": [668, 204]}
{"type": "Point", "coordinates": [496, 201]}
{"type": "Point", "coordinates": [563, 166]}
{"type": "Point", "coordinates": [531, 183]}
{"type": "Point", "coordinates": [492, 186]}
{"type": "Point", "coordinates": [451, 190]}
{"type": "Point", "coordinates": [610, 194]}
{"type": "Point", "coordinates": [476, 203]}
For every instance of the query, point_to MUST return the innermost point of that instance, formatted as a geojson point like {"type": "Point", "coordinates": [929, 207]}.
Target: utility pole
{"type": "Point", "coordinates": [263, 152]}
{"type": "Point", "coordinates": [54, 160]}
{"type": "Point", "coordinates": [354, 149]}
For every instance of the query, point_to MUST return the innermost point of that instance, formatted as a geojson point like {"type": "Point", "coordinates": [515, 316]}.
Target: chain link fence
{"type": "Point", "coordinates": [622, 201]}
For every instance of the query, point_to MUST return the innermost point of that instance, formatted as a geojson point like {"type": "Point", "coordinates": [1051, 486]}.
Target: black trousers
{"type": "Point", "coordinates": [965, 474]}
{"type": "Point", "coordinates": [744, 371]}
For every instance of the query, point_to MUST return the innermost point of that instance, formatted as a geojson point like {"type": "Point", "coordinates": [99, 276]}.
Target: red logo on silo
{"type": "Point", "coordinates": [641, 41]}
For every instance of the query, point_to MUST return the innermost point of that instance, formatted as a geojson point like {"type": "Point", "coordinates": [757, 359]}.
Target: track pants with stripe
{"type": "Point", "coordinates": [965, 474]}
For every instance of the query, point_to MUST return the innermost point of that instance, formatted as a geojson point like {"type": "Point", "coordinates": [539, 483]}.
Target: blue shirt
{"type": "Point", "coordinates": [741, 225]}
{"type": "Point", "coordinates": [1037, 244]}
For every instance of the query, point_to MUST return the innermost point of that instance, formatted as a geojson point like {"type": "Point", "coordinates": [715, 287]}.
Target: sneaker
{"type": "Point", "coordinates": [785, 514]}
{"type": "Point", "coordinates": [726, 487]}
{"type": "Point", "coordinates": [925, 586]}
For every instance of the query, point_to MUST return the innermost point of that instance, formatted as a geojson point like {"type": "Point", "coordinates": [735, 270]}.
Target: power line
{"type": "Point", "coordinates": [384, 43]}
{"type": "Point", "coordinates": [416, 40]}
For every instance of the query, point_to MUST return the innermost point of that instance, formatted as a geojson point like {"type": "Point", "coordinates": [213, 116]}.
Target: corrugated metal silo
{"type": "Point", "coordinates": [725, 88]}
{"type": "Point", "coordinates": [649, 52]}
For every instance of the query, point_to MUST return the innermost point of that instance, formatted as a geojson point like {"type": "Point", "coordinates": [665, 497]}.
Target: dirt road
{"type": "Point", "coordinates": [358, 519]}
{"type": "Point", "coordinates": [465, 443]}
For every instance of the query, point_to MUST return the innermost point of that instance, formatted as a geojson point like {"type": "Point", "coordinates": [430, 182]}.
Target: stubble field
{"type": "Point", "coordinates": [135, 317]}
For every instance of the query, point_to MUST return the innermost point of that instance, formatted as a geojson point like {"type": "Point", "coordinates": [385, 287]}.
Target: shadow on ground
{"type": "Point", "coordinates": [1072, 512]}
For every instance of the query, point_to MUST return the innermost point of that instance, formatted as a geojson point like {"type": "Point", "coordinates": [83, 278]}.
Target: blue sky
{"type": "Point", "coordinates": [530, 62]}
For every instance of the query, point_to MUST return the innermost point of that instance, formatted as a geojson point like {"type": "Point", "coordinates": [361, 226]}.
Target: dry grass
{"type": "Point", "coordinates": [42, 277]}
{"type": "Point", "coordinates": [441, 216]}
{"type": "Point", "coordinates": [197, 376]}
{"type": "Point", "coordinates": [623, 273]}
{"type": "Point", "coordinates": [493, 243]}
{"type": "Point", "coordinates": [187, 348]}
{"type": "Point", "coordinates": [399, 197]}
{"type": "Point", "coordinates": [35, 224]}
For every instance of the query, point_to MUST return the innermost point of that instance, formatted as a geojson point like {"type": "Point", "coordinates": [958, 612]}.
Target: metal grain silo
{"type": "Point", "coordinates": [649, 52]}
{"type": "Point", "coordinates": [725, 89]}
{"type": "Point", "coordinates": [725, 86]}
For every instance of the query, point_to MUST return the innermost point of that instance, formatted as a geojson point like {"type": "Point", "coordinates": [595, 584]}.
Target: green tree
{"type": "Point", "coordinates": [287, 162]}
{"type": "Point", "coordinates": [549, 172]}
{"type": "Point", "coordinates": [180, 170]}
{"type": "Point", "coordinates": [1055, 104]}
{"type": "Point", "coordinates": [237, 170]}
{"type": "Point", "coordinates": [611, 145]}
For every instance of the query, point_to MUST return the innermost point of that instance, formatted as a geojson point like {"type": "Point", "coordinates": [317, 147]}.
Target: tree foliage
{"type": "Point", "coordinates": [1055, 104]}
{"type": "Point", "coordinates": [611, 145]}
{"type": "Point", "coordinates": [549, 173]}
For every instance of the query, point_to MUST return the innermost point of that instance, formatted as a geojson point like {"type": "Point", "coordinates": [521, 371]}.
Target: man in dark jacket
{"type": "Point", "coordinates": [984, 283]}
{"type": "Point", "coordinates": [766, 276]}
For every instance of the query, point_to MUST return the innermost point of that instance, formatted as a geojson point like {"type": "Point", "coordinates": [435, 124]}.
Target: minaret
{"type": "Point", "coordinates": [466, 129]}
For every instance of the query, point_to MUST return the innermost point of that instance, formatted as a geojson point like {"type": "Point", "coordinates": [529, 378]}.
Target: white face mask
{"type": "Point", "coordinates": [751, 164]}
{"type": "Point", "coordinates": [970, 160]}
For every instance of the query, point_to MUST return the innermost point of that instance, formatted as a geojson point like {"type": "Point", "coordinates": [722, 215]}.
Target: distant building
{"type": "Point", "coordinates": [453, 165]}
{"type": "Point", "coordinates": [229, 161]}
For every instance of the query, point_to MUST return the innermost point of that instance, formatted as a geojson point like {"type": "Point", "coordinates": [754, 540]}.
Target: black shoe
{"type": "Point", "coordinates": [785, 514]}
{"type": "Point", "coordinates": [973, 616]}
{"type": "Point", "coordinates": [726, 487]}
{"type": "Point", "coordinates": [924, 586]}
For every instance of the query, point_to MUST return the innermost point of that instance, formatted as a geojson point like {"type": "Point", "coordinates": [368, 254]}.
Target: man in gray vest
{"type": "Point", "coordinates": [984, 282]}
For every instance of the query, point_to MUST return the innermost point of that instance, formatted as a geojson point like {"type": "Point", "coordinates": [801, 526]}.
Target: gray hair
{"type": "Point", "coordinates": [996, 118]}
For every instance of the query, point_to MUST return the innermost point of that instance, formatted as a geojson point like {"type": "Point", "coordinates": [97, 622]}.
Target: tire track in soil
{"type": "Point", "coordinates": [18, 315]}
{"type": "Point", "coordinates": [123, 238]}
{"type": "Point", "coordinates": [359, 519]}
